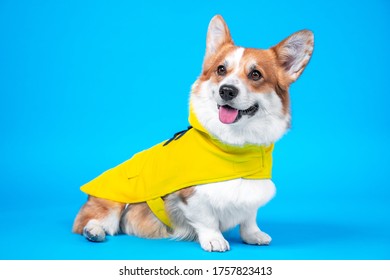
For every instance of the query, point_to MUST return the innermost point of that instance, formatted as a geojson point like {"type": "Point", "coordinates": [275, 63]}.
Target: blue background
{"type": "Point", "coordinates": [85, 84]}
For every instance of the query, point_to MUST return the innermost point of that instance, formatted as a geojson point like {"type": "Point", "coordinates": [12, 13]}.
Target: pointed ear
{"type": "Point", "coordinates": [218, 34]}
{"type": "Point", "coordinates": [294, 53]}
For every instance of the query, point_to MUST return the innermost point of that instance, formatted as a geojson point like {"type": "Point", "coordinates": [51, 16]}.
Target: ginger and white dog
{"type": "Point", "coordinates": [239, 105]}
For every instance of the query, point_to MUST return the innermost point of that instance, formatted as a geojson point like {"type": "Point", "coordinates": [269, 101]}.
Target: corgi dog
{"type": "Point", "coordinates": [216, 174]}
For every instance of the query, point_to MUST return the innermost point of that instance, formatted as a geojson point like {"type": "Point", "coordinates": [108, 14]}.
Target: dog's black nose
{"type": "Point", "coordinates": [228, 92]}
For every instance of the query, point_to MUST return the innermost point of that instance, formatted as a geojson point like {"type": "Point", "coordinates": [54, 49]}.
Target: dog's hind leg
{"type": "Point", "coordinates": [97, 217]}
{"type": "Point", "coordinates": [140, 221]}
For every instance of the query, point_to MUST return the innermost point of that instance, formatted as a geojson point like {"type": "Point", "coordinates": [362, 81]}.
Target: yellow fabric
{"type": "Point", "coordinates": [193, 159]}
{"type": "Point", "coordinates": [158, 208]}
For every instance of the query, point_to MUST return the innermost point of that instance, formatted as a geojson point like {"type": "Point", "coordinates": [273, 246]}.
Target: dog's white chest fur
{"type": "Point", "coordinates": [231, 202]}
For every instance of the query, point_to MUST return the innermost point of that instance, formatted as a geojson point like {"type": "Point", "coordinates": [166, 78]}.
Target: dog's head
{"type": "Point", "coordinates": [242, 95]}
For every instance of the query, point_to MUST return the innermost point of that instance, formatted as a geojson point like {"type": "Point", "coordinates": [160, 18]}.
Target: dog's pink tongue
{"type": "Point", "coordinates": [227, 114]}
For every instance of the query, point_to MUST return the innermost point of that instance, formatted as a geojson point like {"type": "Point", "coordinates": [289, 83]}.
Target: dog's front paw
{"type": "Point", "coordinates": [257, 238]}
{"type": "Point", "coordinates": [94, 232]}
{"type": "Point", "coordinates": [214, 244]}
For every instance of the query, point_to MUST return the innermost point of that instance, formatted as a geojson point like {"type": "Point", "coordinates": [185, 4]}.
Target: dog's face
{"type": "Point", "coordinates": [242, 94]}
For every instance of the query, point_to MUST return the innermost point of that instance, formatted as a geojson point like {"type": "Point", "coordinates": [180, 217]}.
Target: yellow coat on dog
{"type": "Point", "coordinates": [191, 158]}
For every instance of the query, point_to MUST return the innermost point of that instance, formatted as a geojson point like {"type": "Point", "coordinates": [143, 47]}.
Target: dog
{"type": "Point", "coordinates": [216, 174]}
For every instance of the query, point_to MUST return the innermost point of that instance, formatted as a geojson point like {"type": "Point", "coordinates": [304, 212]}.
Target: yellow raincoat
{"type": "Point", "coordinates": [192, 157]}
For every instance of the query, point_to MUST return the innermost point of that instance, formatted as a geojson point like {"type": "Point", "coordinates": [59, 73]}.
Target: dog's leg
{"type": "Point", "coordinates": [211, 238]}
{"type": "Point", "coordinates": [139, 220]}
{"type": "Point", "coordinates": [249, 231]}
{"type": "Point", "coordinates": [202, 218]}
{"type": "Point", "coordinates": [97, 217]}
{"type": "Point", "coordinates": [251, 234]}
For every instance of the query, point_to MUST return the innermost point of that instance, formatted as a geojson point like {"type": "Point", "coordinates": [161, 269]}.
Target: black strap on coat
{"type": "Point", "coordinates": [177, 135]}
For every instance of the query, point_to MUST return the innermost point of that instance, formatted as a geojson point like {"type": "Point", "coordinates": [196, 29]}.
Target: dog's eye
{"type": "Point", "coordinates": [221, 70]}
{"type": "Point", "coordinates": [255, 75]}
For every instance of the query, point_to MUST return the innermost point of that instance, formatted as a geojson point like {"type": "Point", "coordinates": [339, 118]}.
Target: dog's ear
{"type": "Point", "coordinates": [218, 35]}
{"type": "Point", "coordinates": [294, 52]}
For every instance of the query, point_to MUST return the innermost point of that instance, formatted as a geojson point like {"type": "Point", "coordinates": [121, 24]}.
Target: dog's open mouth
{"type": "Point", "coordinates": [228, 114]}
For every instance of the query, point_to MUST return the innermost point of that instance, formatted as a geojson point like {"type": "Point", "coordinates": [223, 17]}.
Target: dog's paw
{"type": "Point", "coordinates": [257, 238]}
{"type": "Point", "coordinates": [94, 232]}
{"type": "Point", "coordinates": [215, 244]}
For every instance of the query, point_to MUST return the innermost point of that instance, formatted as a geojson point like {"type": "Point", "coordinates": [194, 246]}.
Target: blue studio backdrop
{"type": "Point", "coordinates": [86, 84]}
